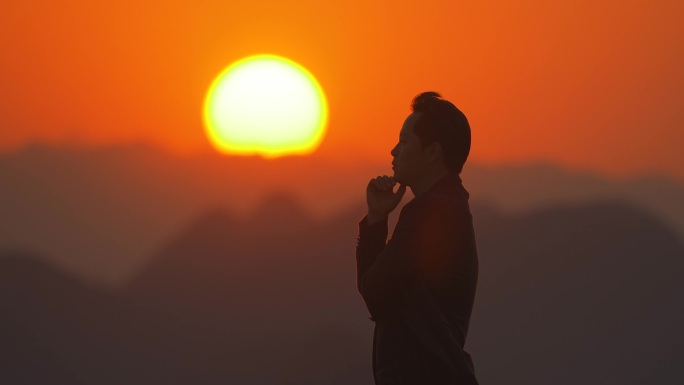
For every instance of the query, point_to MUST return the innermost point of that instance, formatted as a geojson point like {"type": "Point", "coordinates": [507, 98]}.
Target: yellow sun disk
{"type": "Point", "coordinates": [265, 105]}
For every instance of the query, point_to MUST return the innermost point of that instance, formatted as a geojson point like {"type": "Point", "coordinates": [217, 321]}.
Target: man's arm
{"type": "Point", "coordinates": [371, 241]}
{"type": "Point", "coordinates": [384, 269]}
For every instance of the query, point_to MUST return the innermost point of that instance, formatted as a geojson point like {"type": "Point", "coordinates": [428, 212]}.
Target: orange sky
{"type": "Point", "coordinates": [595, 85]}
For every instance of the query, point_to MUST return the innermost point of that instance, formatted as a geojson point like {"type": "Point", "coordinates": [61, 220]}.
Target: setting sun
{"type": "Point", "coordinates": [266, 105]}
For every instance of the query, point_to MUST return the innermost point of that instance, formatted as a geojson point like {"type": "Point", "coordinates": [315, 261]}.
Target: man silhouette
{"type": "Point", "coordinates": [419, 287]}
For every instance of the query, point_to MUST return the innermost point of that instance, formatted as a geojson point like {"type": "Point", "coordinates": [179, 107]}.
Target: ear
{"type": "Point", "coordinates": [435, 152]}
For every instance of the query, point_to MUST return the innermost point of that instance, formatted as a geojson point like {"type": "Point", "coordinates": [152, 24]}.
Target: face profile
{"type": "Point", "coordinates": [408, 158]}
{"type": "Point", "coordinates": [411, 157]}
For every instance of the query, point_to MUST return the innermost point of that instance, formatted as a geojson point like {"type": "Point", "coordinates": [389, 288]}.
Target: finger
{"type": "Point", "coordinates": [385, 182]}
{"type": "Point", "coordinates": [388, 182]}
{"type": "Point", "coordinates": [400, 191]}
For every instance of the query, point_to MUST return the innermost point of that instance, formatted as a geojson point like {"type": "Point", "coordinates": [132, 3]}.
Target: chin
{"type": "Point", "coordinates": [398, 178]}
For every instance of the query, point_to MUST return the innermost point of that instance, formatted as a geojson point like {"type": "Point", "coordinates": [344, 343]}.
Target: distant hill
{"type": "Point", "coordinates": [101, 213]}
{"type": "Point", "coordinates": [567, 294]}
{"type": "Point", "coordinates": [583, 293]}
{"type": "Point", "coordinates": [579, 294]}
{"type": "Point", "coordinates": [221, 263]}
{"type": "Point", "coordinates": [56, 329]}
{"type": "Point", "coordinates": [517, 188]}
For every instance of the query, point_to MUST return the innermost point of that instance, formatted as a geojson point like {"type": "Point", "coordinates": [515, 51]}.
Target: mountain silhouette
{"type": "Point", "coordinates": [604, 272]}
{"type": "Point", "coordinates": [102, 213]}
{"type": "Point", "coordinates": [272, 290]}
{"type": "Point", "coordinates": [580, 294]}
{"type": "Point", "coordinates": [264, 266]}
{"type": "Point", "coordinates": [517, 188]}
{"type": "Point", "coordinates": [584, 293]}
{"type": "Point", "coordinates": [57, 329]}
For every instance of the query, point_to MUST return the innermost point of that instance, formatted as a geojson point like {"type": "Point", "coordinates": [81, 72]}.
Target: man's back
{"type": "Point", "coordinates": [419, 288]}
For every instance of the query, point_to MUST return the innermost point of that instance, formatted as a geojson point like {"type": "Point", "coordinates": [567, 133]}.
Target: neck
{"type": "Point", "coordinates": [428, 180]}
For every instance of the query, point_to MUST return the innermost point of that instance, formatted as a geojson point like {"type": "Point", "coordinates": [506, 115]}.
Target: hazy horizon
{"type": "Point", "coordinates": [103, 211]}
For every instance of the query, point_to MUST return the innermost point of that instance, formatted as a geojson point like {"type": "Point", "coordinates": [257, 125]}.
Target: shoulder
{"type": "Point", "coordinates": [447, 201]}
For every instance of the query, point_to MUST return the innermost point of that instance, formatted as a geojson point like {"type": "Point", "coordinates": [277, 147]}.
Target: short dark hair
{"type": "Point", "coordinates": [440, 121]}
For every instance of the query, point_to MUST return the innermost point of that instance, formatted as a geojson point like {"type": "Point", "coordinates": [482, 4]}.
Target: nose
{"type": "Point", "coordinates": [394, 150]}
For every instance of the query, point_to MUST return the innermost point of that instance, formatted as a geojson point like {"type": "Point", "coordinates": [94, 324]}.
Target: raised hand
{"type": "Point", "coordinates": [381, 197]}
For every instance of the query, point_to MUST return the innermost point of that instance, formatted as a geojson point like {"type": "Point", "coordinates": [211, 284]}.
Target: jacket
{"type": "Point", "coordinates": [419, 288]}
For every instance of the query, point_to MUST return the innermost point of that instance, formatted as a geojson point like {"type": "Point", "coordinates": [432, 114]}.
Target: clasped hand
{"type": "Point", "coordinates": [381, 197]}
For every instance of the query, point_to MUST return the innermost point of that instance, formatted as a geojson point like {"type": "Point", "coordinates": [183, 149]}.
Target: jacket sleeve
{"type": "Point", "coordinates": [384, 269]}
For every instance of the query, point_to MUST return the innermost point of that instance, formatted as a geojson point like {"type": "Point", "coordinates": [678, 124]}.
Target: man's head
{"type": "Point", "coordinates": [435, 137]}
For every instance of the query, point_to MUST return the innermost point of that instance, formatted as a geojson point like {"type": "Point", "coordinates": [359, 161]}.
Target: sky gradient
{"type": "Point", "coordinates": [591, 85]}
